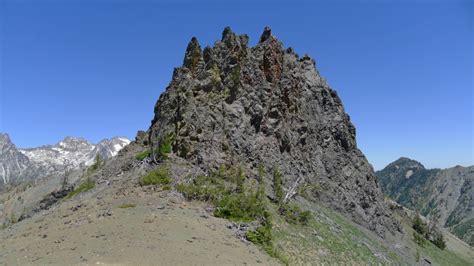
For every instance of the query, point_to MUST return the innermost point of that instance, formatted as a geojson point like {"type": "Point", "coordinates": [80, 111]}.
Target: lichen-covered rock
{"type": "Point", "coordinates": [241, 105]}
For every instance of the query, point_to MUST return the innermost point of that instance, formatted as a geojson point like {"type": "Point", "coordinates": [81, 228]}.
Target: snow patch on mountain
{"type": "Point", "coordinates": [17, 165]}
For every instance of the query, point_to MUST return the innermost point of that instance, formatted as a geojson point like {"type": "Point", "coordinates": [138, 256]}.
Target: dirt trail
{"type": "Point", "coordinates": [161, 229]}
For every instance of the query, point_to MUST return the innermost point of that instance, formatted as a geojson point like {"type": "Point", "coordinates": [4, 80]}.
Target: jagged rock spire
{"type": "Point", "coordinates": [267, 32]}
{"type": "Point", "coordinates": [193, 55]}
{"type": "Point", "coordinates": [227, 33]}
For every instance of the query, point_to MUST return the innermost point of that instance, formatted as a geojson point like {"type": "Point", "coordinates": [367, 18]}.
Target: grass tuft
{"type": "Point", "coordinates": [127, 205]}
{"type": "Point", "coordinates": [83, 187]}
{"type": "Point", "coordinates": [142, 155]}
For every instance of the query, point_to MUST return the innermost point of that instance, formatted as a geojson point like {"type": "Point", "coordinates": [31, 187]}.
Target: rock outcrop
{"type": "Point", "coordinates": [443, 195]}
{"type": "Point", "coordinates": [265, 105]}
{"type": "Point", "coordinates": [14, 166]}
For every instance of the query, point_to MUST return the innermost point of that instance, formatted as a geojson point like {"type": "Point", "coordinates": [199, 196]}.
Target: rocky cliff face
{"type": "Point", "coordinates": [14, 166]}
{"type": "Point", "coordinates": [265, 105]}
{"type": "Point", "coordinates": [444, 195]}
{"type": "Point", "coordinates": [18, 165]}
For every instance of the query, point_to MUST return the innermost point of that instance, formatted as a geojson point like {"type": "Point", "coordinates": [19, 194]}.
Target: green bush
{"type": "Point", "coordinates": [438, 240]}
{"type": "Point", "coordinates": [83, 187]}
{"type": "Point", "coordinates": [215, 75]}
{"type": "Point", "coordinates": [294, 215]}
{"type": "Point", "coordinates": [127, 205]}
{"type": "Point", "coordinates": [159, 176]}
{"type": "Point", "coordinates": [13, 219]}
{"type": "Point", "coordinates": [240, 207]}
{"type": "Point", "coordinates": [165, 147]}
{"type": "Point", "coordinates": [239, 180]}
{"type": "Point", "coordinates": [419, 239]}
{"type": "Point", "coordinates": [142, 155]}
{"type": "Point", "coordinates": [262, 236]}
{"type": "Point", "coordinates": [419, 226]}
{"type": "Point", "coordinates": [226, 189]}
{"type": "Point", "coordinates": [204, 188]}
{"type": "Point", "coordinates": [278, 186]}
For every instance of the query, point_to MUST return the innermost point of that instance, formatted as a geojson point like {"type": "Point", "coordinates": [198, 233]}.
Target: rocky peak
{"type": "Point", "coordinates": [74, 144]}
{"type": "Point", "coordinates": [4, 136]}
{"type": "Point", "coordinates": [267, 33]}
{"type": "Point", "coordinates": [407, 165]}
{"type": "Point", "coordinates": [264, 105]}
{"type": "Point", "coordinates": [12, 163]}
{"type": "Point", "coordinates": [5, 141]}
{"type": "Point", "coordinates": [108, 148]}
{"type": "Point", "coordinates": [193, 55]}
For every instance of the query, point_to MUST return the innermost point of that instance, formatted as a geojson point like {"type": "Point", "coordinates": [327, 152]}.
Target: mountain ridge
{"type": "Point", "coordinates": [443, 195]}
{"type": "Point", "coordinates": [65, 155]}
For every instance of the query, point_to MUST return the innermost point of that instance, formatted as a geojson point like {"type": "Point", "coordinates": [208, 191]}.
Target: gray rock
{"type": "Point", "coordinates": [235, 104]}
{"type": "Point", "coordinates": [14, 166]}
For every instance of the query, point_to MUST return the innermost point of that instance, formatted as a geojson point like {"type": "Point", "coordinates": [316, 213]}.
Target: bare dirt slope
{"type": "Point", "coordinates": [95, 228]}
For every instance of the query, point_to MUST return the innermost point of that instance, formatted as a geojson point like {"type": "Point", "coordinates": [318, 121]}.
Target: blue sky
{"type": "Point", "coordinates": [404, 69]}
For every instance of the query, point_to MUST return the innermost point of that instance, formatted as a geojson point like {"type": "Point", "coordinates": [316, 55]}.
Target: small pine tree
{"type": "Point", "coordinates": [278, 186]}
{"type": "Point", "coordinates": [239, 180]}
{"type": "Point", "coordinates": [419, 239]}
{"type": "Point", "coordinates": [438, 240]}
{"type": "Point", "coordinates": [419, 226]}
{"type": "Point", "coordinates": [261, 184]}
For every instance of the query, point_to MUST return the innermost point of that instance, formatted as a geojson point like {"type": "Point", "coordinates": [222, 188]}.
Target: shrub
{"type": "Point", "coordinates": [159, 176]}
{"type": "Point", "coordinates": [278, 186]}
{"type": "Point", "coordinates": [240, 207]}
{"type": "Point", "coordinates": [165, 146]}
{"type": "Point", "coordinates": [419, 239]}
{"type": "Point", "coordinates": [13, 219]}
{"type": "Point", "coordinates": [226, 190]}
{"type": "Point", "coordinates": [262, 236]}
{"type": "Point", "coordinates": [294, 215]}
{"type": "Point", "coordinates": [438, 240]}
{"type": "Point", "coordinates": [4, 225]}
{"type": "Point", "coordinates": [204, 188]}
{"type": "Point", "coordinates": [142, 155]}
{"type": "Point", "coordinates": [419, 226]}
{"type": "Point", "coordinates": [85, 186]}
{"type": "Point", "coordinates": [239, 179]}
{"type": "Point", "coordinates": [215, 75]}
{"type": "Point", "coordinates": [127, 205]}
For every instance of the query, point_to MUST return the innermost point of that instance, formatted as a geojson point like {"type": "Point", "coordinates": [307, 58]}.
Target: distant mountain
{"type": "Point", "coordinates": [13, 164]}
{"type": "Point", "coordinates": [446, 195]}
{"type": "Point", "coordinates": [17, 165]}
